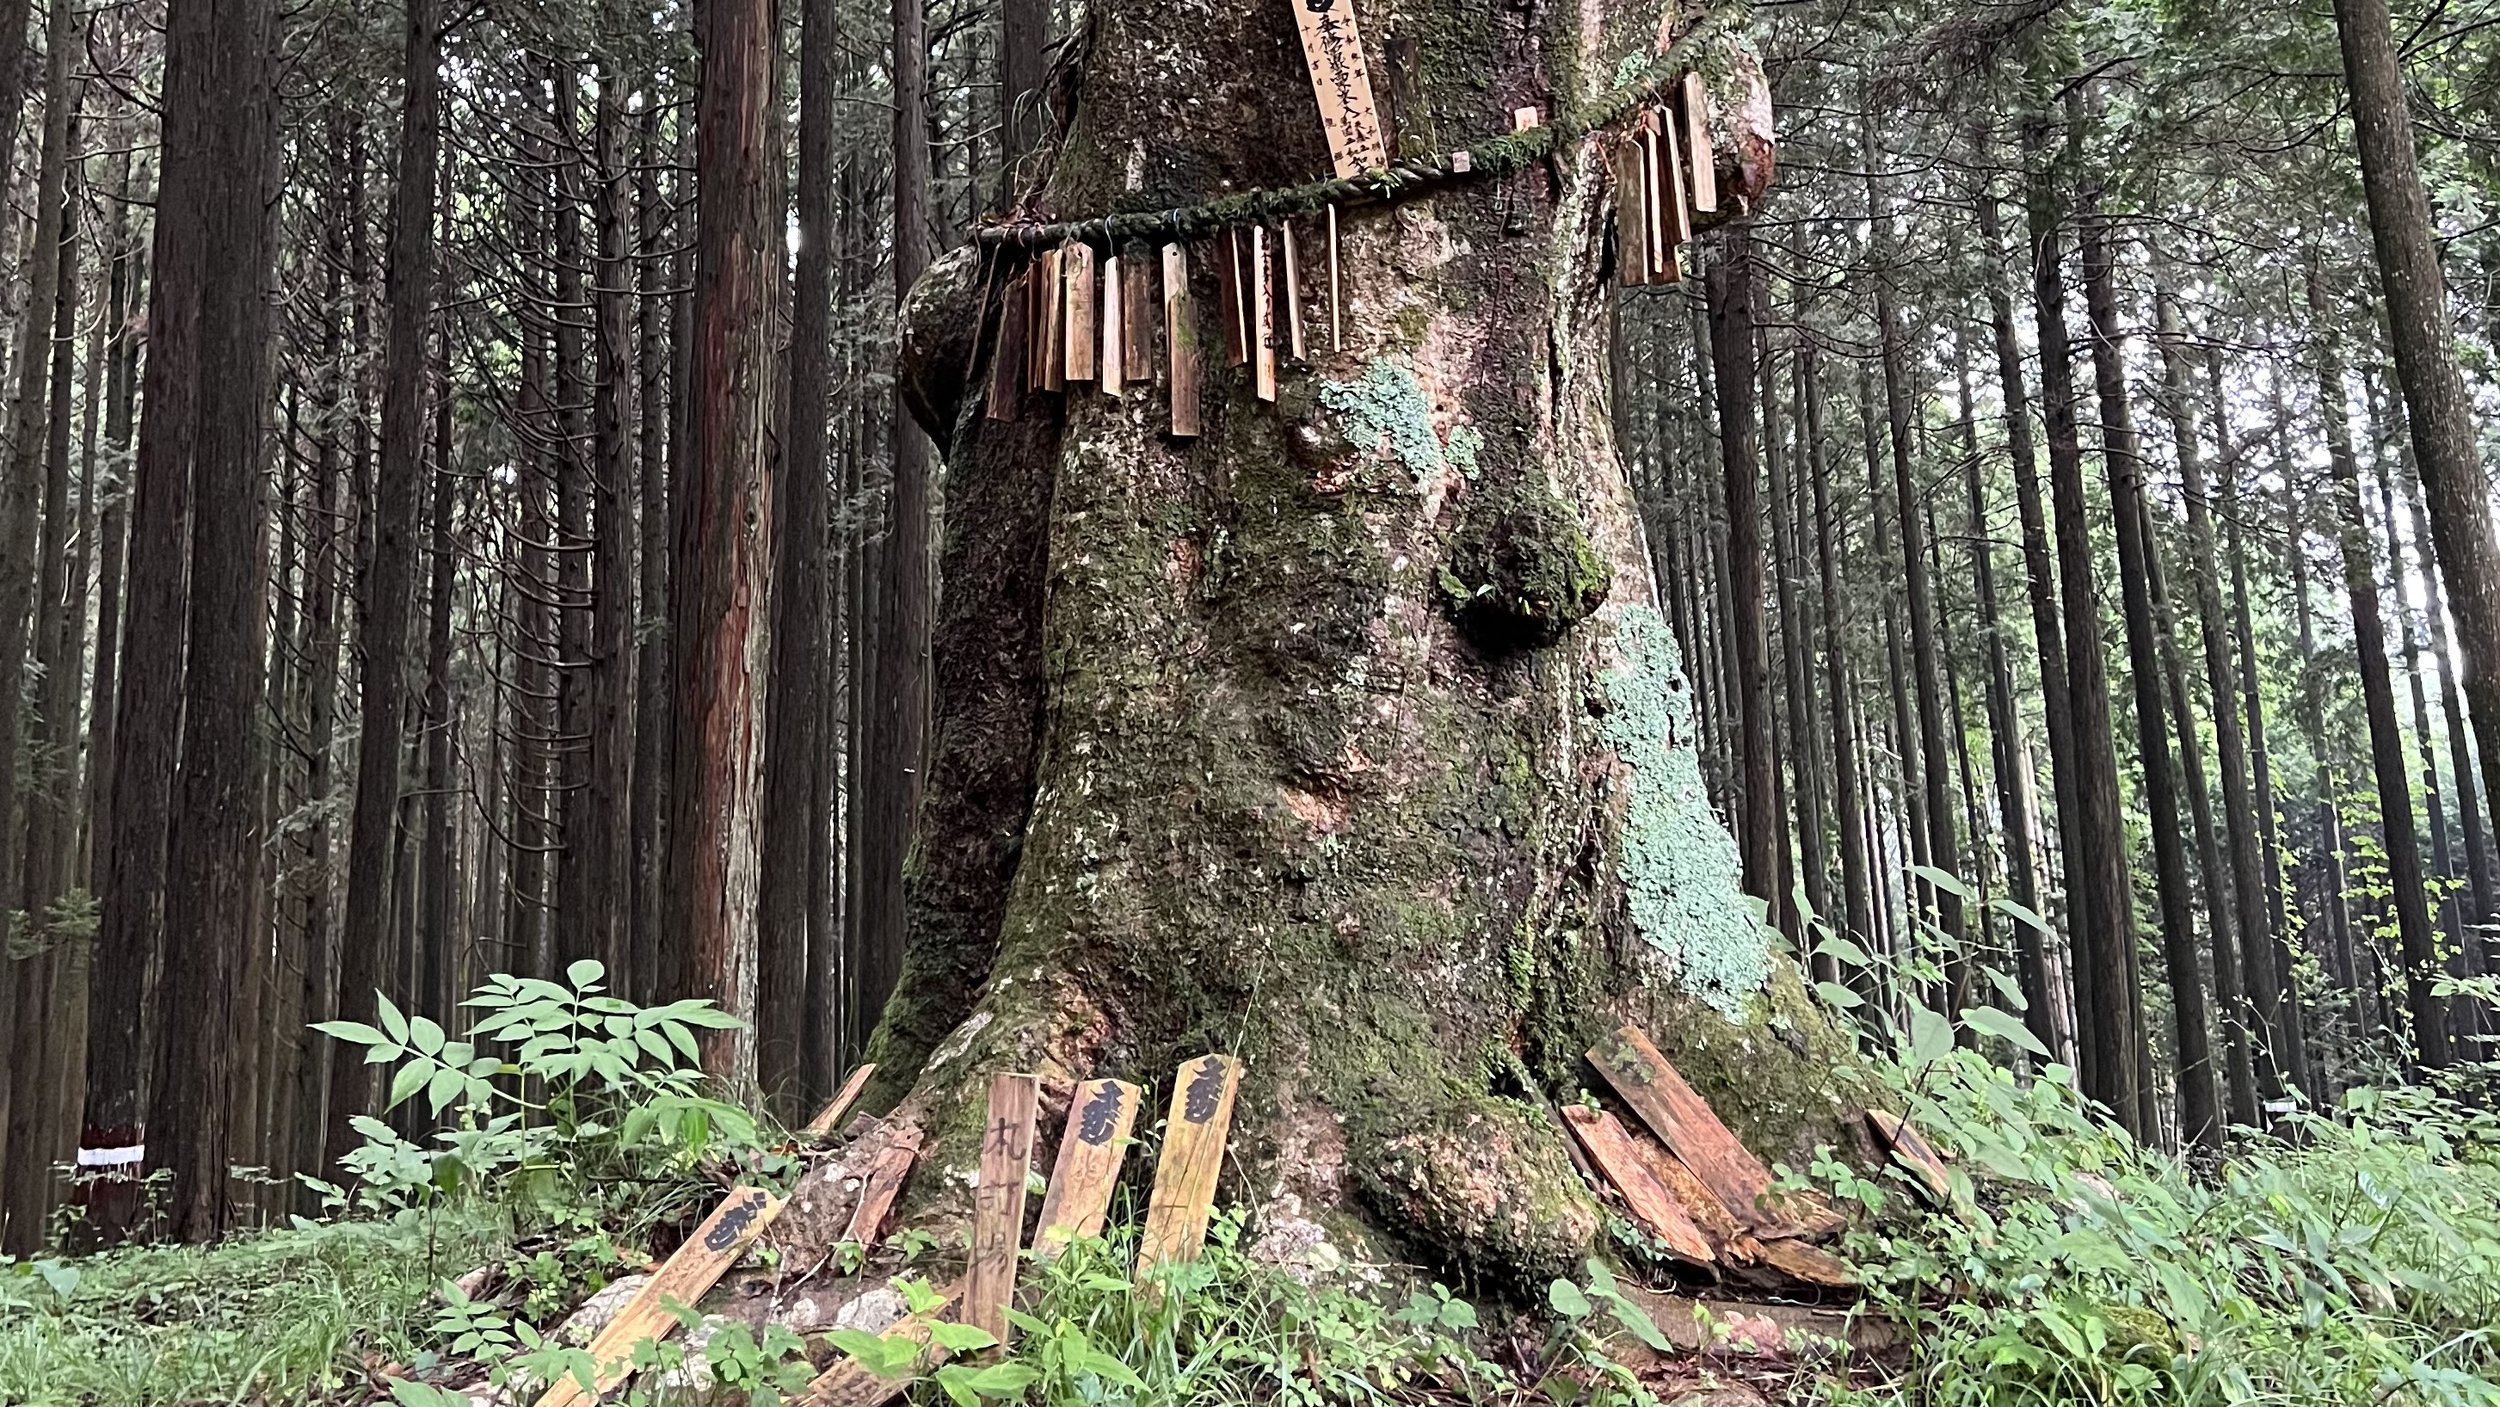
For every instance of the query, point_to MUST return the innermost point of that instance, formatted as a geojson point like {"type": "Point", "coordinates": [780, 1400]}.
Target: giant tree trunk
{"type": "Point", "coordinates": [1219, 762]}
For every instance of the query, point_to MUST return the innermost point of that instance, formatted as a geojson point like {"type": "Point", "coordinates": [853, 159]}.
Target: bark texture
{"type": "Point", "coordinates": [1225, 757]}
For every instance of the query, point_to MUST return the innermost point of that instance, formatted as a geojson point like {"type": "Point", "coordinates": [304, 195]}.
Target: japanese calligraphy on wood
{"type": "Point", "coordinates": [1333, 48]}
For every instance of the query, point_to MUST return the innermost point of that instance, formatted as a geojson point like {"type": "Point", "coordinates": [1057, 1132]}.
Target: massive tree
{"type": "Point", "coordinates": [1348, 735]}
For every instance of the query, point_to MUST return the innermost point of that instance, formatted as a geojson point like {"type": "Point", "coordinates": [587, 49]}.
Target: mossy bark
{"type": "Point", "coordinates": [1347, 736]}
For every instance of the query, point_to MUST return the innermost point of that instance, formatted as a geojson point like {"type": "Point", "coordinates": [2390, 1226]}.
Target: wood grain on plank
{"type": "Point", "coordinates": [1914, 1153]}
{"type": "Point", "coordinates": [848, 1383]}
{"type": "Point", "coordinates": [1091, 1150]}
{"type": "Point", "coordinates": [1610, 1146]}
{"type": "Point", "coordinates": [998, 1203]}
{"type": "Point", "coordinates": [1293, 294]}
{"type": "Point", "coordinates": [1262, 315]}
{"type": "Point", "coordinates": [1051, 331]}
{"type": "Point", "coordinates": [1704, 158]}
{"type": "Point", "coordinates": [1803, 1260]}
{"type": "Point", "coordinates": [843, 1098]}
{"type": "Point", "coordinates": [651, 1315]}
{"type": "Point", "coordinates": [1336, 298]}
{"type": "Point", "coordinates": [1631, 212]}
{"type": "Point", "coordinates": [1193, 1157]}
{"type": "Point", "coordinates": [1180, 333]}
{"type": "Point", "coordinates": [884, 1184]}
{"type": "Point", "coordinates": [1114, 348]}
{"type": "Point", "coordinates": [1228, 278]}
{"type": "Point", "coordinates": [1686, 1123]}
{"type": "Point", "coordinates": [1137, 317]}
{"type": "Point", "coordinates": [1332, 48]}
{"type": "Point", "coordinates": [1077, 270]}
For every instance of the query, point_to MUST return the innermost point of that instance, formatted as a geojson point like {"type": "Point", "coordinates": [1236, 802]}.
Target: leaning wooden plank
{"type": "Point", "coordinates": [651, 1314]}
{"type": "Point", "coordinates": [884, 1184]}
{"type": "Point", "coordinates": [1914, 1153]}
{"type": "Point", "coordinates": [1090, 1154]}
{"type": "Point", "coordinates": [1804, 1261]}
{"type": "Point", "coordinates": [849, 1383]}
{"type": "Point", "coordinates": [1610, 1147]}
{"type": "Point", "coordinates": [1193, 1156]}
{"type": "Point", "coordinates": [998, 1203]}
{"type": "Point", "coordinates": [1685, 1122]}
{"type": "Point", "coordinates": [848, 1095]}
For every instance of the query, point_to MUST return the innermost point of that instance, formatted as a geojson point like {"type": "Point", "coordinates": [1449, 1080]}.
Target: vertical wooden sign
{"type": "Point", "coordinates": [1114, 348]}
{"type": "Point", "coordinates": [1137, 319]}
{"type": "Point", "coordinates": [1293, 295]}
{"type": "Point", "coordinates": [1228, 281]}
{"type": "Point", "coordinates": [1193, 1156]}
{"type": "Point", "coordinates": [1336, 299]}
{"type": "Point", "coordinates": [1090, 1153]}
{"type": "Point", "coordinates": [1332, 47]}
{"type": "Point", "coordinates": [1697, 147]}
{"type": "Point", "coordinates": [1180, 333]}
{"type": "Point", "coordinates": [1679, 213]}
{"type": "Point", "coordinates": [1262, 315]}
{"type": "Point", "coordinates": [1052, 331]}
{"type": "Point", "coordinates": [1657, 250]}
{"type": "Point", "coordinates": [998, 1203]}
{"type": "Point", "coordinates": [1078, 266]}
{"type": "Point", "coordinates": [1631, 211]}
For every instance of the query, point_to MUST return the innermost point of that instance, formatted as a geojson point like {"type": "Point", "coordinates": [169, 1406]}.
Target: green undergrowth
{"type": "Point", "coordinates": [291, 1315]}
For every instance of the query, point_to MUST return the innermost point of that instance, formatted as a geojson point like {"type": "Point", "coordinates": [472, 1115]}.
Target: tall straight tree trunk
{"type": "Point", "coordinates": [796, 791]}
{"type": "Point", "coordinates": [2416, 942]}
{"type": "Point", "coordinates": [599, 820]}
{"type": "Point", "coordinates": [385, 594]}
{"type": "Point", "coordinates": [1857, 890]}
{"type": "Point", "coordinates": [2438, 409]}
{"type": "Point", "coordinates": [1023, 30]}
{"type": "Point", "coordinates": [1761, 831]}
{"type": "Point", "coordinates": [2109, 1017]}
{"type": "Point", "coordinates": [2484, 906]}
{"type": "Point", "coordinates": [660, 413]}
{"type": "Point", "coordinates": [2123, 460]}
{"type": "Point", "coordinates": [1797, 659]}
{"type": "Point", "coordinates": [217, 165]}
{"type": "Point", "coordinates": [720, 621]}
{"type": "Point", "coordinates": [2398, 593]}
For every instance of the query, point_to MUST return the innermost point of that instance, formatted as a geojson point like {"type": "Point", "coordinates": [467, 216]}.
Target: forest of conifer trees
{"type": "Point", "coordinates": [490, 487]}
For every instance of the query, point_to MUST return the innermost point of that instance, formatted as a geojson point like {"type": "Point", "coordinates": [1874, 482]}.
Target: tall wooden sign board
{"type": "Point", "coordinates": [1333, 48]}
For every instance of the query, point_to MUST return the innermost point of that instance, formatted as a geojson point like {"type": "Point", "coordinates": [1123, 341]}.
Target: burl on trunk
{"type": "Point", "coordinates": [1347, 735]}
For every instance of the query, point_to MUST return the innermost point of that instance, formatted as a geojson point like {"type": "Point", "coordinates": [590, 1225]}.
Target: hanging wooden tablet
{"type": "Point", "coordinates": [1180, 333]}
{"type": "Point", "coordinates": [1704, 158]}
{"type": "Point", "coordinates": [1228, 282]}
{"type": "Point", "coordinates": [1077, 268]}
{"type": "Point", "coordinates": [1631, 211]}
{"type": "Point", "coordinates": [1137, 317]}
{"type": "Point", "coordinates": [1262, 315]}
{"type": "Point", "coordinates": [1679, 212]}
{"type": "Point", "coordinates": [1114, 348]}
{"type": "Point", "coordinates": [1010, 361]}
{"type": "Point", "coordinates": [1521, 119]}
{"type": "Point", "coordinates": [1655, 248]}
{"type": "Point", "coordinates": [1036, 320]}
{"type": "Point", "coordinates": [1054, 324]}
{"type": "Point", "coordinates": [1333, 50]}
{"type": "Point", "coordinates": [1293, 295]}
{"type": "Point", "coordinates": [1336, 302]}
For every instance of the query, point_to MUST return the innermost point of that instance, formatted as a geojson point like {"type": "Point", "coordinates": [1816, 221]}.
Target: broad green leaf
{"type": "Point", "coordinates": [353, 1032]}
{"type": "Point", "coordinates": [392, 1021]}
{"type": "Point", "coordinates": [1844, 950]}
{"type": "Point", "coordinates": [962, 1338]}
{"type": "Point", "coordinates": [1567, 1300]}
{"type": "Point", "coordinates": [1931, 1036]}
{"type": "Point", "coordinates": [1947, 881]}
{"type": "Point", "coordinates": [411, 1078]}
{"type": "Point", "coordinates": [585, 971]}
{"type": "Point", "coordinates": [2004, 1027]}
{"type": "Point", "coordinates": [1836, 995]}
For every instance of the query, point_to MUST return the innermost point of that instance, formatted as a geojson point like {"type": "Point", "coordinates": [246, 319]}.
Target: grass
{"type": "Point", "coordinates": [284, 1316]}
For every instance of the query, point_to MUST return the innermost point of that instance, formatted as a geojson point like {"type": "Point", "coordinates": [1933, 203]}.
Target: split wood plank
{"type": "Point", "coordinates": [1718, 1225]}
{"type": "Point", "coordinates": [1091, 1150]}
{"type": "Point", "coordinates": [1228, 279]}
{"type": "Point", "coordinates": [1679, 212]}
{"type": "Point", "coordinates": [1686, 1123]}
{"type": "Point", "coordinates": [650, 1315]}
{"type": "Point", "coordinates": [848, 1383]}
{"type": "Point", "coordinates": [1137, 319]}
{"type": "Point", "coordinates": [1053, 335]}
{"type": "Point", "coordinates": [1914, 1153]}
{"type": "Point", "coordinates": [1631, 211]}
{"type": "Point", "coordinates": [1293, 295]}
{"type": "Point", "coordinates": [1193, 1156]}
{"type": "Point", "coordinates": [884, 1184]}
{"type": "Point", "coordinates": [1114, 349]}
{"type": "Point", "coordinates": [1332, 48]}
{"type": "Point", "coordinates": [1077, 268]}
{"type": "Point", "coordinates": [998, 1203]}
{"type": "Point", "coordinates": [1262, 314]}
{"type": "Point", "coordinates": [1802, 1260]}
{"type": "Point", "coordinates": [1610, 1146]}
{"type": "Point", "coordinates": [1336, 301]}
{"type": "Point", "coordinates": [1180, 332]}
{"type": "Point", "coordinates": [848, 1095]}
{"type": "Point", "coordinates": [1697, 147]}
{"type": "Point", "coordinates": [1655, 249]}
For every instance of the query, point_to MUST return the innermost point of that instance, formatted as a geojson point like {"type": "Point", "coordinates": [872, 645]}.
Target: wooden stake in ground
{"type": "Point", "coordinates": [848, 1095]}
{"type": "Point", "coordinates": [1180, 333]}
{"type": "Point", "coordinates": [650, 1315]}
{"type": "Point", "coordinates": [1333, 49]}
{"type": "Point", "coordinates": [1193, 1156]}
{"type": "Point", "coordinates": [998, 1203]}
{"type": "Point", "coordinates": [1090, 1153]}
{"type": "Point", "coordinates": [1114, 349]}
{"type": "Point", "coordinates": [1077, 269]}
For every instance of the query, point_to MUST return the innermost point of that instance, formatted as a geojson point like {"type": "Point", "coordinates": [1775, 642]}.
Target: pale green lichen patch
{"type": "Point", "coordinates": [1386, 411]}
{"type": "Point", "coordinates": [1679, 867]}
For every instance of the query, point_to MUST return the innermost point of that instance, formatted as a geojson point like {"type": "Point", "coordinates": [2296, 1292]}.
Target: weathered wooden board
{"type": "Point", "coordinates": [1077, 268]}
{"type": "Point", "coordinates": [650, 1315]}
{"type": "Point", "coordinates": [1180, 333]}
{"type": "Point", "coordinates": [1914, 1153]}
{"type": "Point", "coordinates": [1230, 280]}
{"type": "Point", "coordinates": [1678, 212]}
{"type": "Point", "coordinates": [1193, 1156]}
{"type": "Point", "coordinates": [1609, 1145]}
{"type": "Point", "coordinates": [1336, 297]}
{"type": "Point", "coordinates": [884, 1184]}
{"type": "Point", "coordinates": [1332, 47]}
{"type": "Point", "coordinates": [1114, 349]}
{"type": "Point", "coordinates": [831, 1115]}
{"type": "Point", "coordinates": [1091, 1150]}
{"type": "Point", "coordinates": [1698, 151]}
{"type": "Point", "coordinates": [1262, 315]}
{"type": "Point", "coordinates": [1802, 1260]}
{"type": "Point", "coordinates": [848, 1383]}
{"type": "Point", "coordinates": [998, 1203]}
{"type": "Point", "coordinates": [1685, 1122]}
{"type": "Point", "coordinates": [1137, 318]}
{"type": "Point", "coordinates": [1051, 333]}
{"type": "Point", "coordinates": [1656, 242]}
{"type": "Point", "coordinates": [1631, 211]}
{"type": "Point", "coordinates": [1293, 294]}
